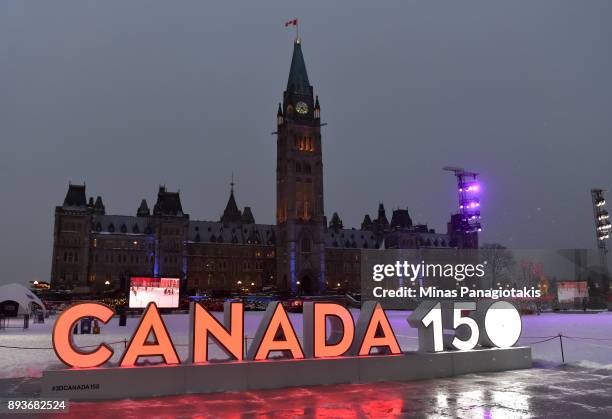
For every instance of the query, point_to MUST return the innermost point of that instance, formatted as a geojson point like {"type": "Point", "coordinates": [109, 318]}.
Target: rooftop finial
{"type": "Point", "coordinates": [232, 184]}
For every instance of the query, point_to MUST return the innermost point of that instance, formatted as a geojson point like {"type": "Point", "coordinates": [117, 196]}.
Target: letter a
{"type": "Point", "coordinates": [150, 321]}
{"type": "Point", "coordinates": [373, 320]}
{"type": "Point", "coordinates": [274, 323]}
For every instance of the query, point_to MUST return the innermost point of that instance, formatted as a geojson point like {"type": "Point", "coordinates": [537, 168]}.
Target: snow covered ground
{"type": "Point", "coordinates": [588, 353]}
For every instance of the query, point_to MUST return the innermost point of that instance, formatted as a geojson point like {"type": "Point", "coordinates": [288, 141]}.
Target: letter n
{"type": "Point", "coordinates": [229, 335]}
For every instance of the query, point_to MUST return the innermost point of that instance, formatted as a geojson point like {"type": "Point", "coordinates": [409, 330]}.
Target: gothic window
{"type": "Point", "coordinates": [111, 228]}
{"type": "Point", "coordinates": [306, 246]}
{"type": "Point", "coordinates": [298, 167]}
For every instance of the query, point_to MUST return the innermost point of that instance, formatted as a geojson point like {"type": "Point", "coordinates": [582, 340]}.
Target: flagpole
{"type": "Point", "coordinates": [297, 30]}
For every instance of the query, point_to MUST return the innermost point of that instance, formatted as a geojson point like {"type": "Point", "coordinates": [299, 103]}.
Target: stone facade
{"type": "Point", "coordinates": [93, 251]}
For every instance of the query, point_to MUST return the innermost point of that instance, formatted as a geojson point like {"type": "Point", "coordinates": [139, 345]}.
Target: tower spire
{"type": "Point", "coordinates": [298, 76]}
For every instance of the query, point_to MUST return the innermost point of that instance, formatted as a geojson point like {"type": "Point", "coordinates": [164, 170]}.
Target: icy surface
{"type": "Point", "coordinates": [558, 392]}
{"type": "Point", "coordinates": [589, 353]}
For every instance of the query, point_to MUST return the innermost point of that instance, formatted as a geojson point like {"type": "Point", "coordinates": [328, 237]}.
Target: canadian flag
{"type": "Point", "coordinates": [292, 22]}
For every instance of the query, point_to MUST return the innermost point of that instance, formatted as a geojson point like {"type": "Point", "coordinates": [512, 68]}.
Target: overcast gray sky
{"type": "Point", "coordinates": [125, 95]}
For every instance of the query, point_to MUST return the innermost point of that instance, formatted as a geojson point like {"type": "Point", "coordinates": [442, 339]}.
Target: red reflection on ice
{"type": "Point", "coordinates": [339, 401]}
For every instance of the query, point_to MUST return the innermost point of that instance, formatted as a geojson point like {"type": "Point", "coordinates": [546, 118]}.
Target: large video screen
{"type": "Point", "coordinates": [570, 291]}
{"type": "Point", "coordinates": [162, 291]}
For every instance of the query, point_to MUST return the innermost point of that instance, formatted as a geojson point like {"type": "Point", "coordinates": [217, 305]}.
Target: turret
{"type": "Point", "coordinates": [231, 214]}
{"type": "Point", "coordinates": [247, 216]}
{"type": "Point", "coordinates": [143, 209]}
{"type": "Point", "coordinates": [279, 115]}
{"type": "Point", "coordinates": [99, 206]}
{"type": "Point", "coordinates": [336, 222]}
{"type": "Point", "coordinates": [366, 223]}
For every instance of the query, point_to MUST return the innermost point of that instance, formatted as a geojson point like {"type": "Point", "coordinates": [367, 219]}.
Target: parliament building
{"type": "Point", "coordinates": [303, 252]}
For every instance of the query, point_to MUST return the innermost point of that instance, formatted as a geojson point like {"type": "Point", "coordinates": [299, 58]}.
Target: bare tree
{"type": "Point", "coordinates": [500, 263]}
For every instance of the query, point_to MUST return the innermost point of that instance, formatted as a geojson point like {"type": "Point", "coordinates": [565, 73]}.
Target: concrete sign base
{"type": "Point", "coordinates": [150, 381]}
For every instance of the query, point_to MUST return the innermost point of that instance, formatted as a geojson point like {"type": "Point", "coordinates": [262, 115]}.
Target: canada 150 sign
{"type": "Point", "coordinates": [329, 331]}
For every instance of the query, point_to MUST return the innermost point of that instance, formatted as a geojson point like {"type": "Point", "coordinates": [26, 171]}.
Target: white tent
{"type": "Point", "coordinates": [25, 298]}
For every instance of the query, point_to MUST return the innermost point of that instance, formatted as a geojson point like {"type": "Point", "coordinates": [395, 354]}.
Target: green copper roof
{"type": "Point", "coordinates": [298, 77]}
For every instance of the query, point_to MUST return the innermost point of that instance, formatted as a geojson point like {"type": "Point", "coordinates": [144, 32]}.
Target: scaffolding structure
{"type": "Point", "coordinates": [468, 191]}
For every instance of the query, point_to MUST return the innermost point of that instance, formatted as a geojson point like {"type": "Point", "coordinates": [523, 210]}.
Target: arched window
{"type": "Point", "coordinates": [306, 246]}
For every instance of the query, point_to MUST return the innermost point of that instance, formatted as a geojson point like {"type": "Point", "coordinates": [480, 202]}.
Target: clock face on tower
{"type": "Point", "coordinates": [301, 108]}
